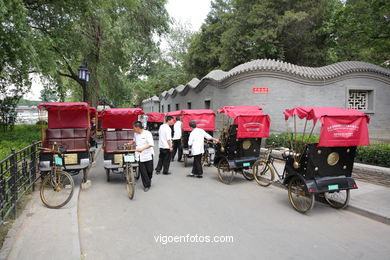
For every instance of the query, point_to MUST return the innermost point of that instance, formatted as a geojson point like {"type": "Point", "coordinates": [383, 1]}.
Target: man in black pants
{"type": "Point", "coordinates": [165, 145]}
{"type": "Point", "coordinates": [144, 146]}
{"type": "Point", "coordinates": [177, 140]}
{"type": "Point", "coordinates": [196, 141]}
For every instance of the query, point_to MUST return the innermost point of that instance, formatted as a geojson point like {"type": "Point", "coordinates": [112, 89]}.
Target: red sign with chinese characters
{"type": "Point", "coordinates": [260, 90]}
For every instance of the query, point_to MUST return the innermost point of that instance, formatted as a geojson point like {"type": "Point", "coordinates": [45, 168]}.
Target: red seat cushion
{"type": "Point", "coordinates": [72, 139]}
{"type": "Point", "coordinates": [114, 140]}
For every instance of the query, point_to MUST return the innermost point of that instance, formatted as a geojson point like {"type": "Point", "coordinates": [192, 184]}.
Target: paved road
{"type": "Point", "coordinates": [261, 220]}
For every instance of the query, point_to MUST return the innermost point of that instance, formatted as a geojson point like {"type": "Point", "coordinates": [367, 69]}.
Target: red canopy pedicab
{"type": "Point", "coordinates": [323, 168]}
{"type": "Point", "coordinates": [69, 128]}
{"type": "Point", "coordinates": [240, 141]}
{"type": "Point", "coordinates": [155, 120]}
{"type": "Point", "coordinates": [117, 125]}
{"type": "Point", "coordinates": [205, 119]}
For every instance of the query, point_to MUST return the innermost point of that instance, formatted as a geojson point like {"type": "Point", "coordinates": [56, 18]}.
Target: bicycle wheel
{"type": "Point", "coordinates": [57, 189]}
{"type": "Point", "coordinates": [247, 175]}
{"type": "Point", "coordinates": [129, 182]}
{"type": "Point", "coordinates": [225, 174]}
{"type": "Point", "coordinates": [337, 199]}
{"type": "Point", "coordinates": [300, 198]}
{"type": "Point", "coordinates": [262, 173]}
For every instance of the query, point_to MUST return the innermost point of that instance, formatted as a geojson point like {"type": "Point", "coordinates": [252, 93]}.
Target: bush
{"type": "Point", "coordinates": [17, 138]}
{"type": "Point", "coordinates": [376, 154]}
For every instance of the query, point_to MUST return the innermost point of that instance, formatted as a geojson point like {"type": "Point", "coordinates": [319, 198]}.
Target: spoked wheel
{"type": "Point", "coordinates": [205, 159]}
{"type": "Point", "coordinates": [262, 173]}
{"type": "Point", "coordinates": [108, 175]}
{"type": "Point", "coordinates": [136, 173]}
{"type": "Point", "coordinates": [337, 199]}
{"type": "Point", "coordinates": [57, 189]}
{"type": "Point", "coordinates": [225, 174]}
{"type": "Point", "coordinates": [185, 160]}
{"type": "Point", "coordinates": [247, 174]}
{"type": "Point", "coordinates": [129, 182]}
{"type": "Point", "coordinates": [300, 198]}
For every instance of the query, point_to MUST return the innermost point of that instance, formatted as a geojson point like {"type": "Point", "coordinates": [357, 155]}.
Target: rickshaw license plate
{"type": "Point", "coordinates": [118, 158]}
{"type": "Point", "coordinates": [129, 158]}
{"type": "Point", "coordinates": [246, 164]}
{"type": "Point", "coordinates": [333, 187]}
{"type": "Point", "coordinates": [71, 158]}
{"type": "Point", "coordinates": [58, 160]}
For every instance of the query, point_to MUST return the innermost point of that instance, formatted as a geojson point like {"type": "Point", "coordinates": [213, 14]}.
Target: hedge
{"type": "Point", "coordinates": [17, 138]}
{"type": "Point", "coordinates": [375, 154]}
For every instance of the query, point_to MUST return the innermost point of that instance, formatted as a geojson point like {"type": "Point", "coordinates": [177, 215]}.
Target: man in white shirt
{"type": "Point", "coordinates": [165, 145]}
{"type": "Point", "coordinates": [177, 132]}
{"type": "Point", "coordinates": [144, 146]}
{"type": "Point", "coordinates": [196, 141]}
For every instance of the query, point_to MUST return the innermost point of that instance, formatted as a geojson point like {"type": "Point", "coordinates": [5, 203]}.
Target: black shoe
{"type": "Point", "coordinates": [146, 189]}
{"type": "Point", "coordinates": [199, 176]}
{"type": "Point", "coordinates": [157, 172]}
{"type": "Point", "coordinates": [167, 173]}
{"type": "Point", "coordinates": [180, 160]}
{"type": "Point", "coordinates": [191, 175]}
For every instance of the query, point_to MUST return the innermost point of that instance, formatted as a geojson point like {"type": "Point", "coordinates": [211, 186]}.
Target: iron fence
{"type": "Point", "coordinates": [18, 173]}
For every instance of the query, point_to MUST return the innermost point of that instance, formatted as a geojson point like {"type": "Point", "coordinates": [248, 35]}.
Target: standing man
{"type": "Point", "coordinates": [144, 146]}
{"type": "Point", "coordinates": [165, 145]}
{"type": "Point", "coordinates": [196, 141]}
{"type": "Point", "coordinates": [177, 132]}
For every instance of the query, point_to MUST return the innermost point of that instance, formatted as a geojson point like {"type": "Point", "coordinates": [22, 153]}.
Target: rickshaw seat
{"type": "Point", "coordinates": [114, 140]}
{"type": "Point", "coordinates": [73, 139]}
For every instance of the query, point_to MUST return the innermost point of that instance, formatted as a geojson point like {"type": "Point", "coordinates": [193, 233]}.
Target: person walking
{"type": "Point", "coordinates": [177, 133]}
{"type": "Point", "coordinates": [144, 146]}
{"type": "Point", "coordinates": [165, 145]}
{"type": "Point", "coordinates": [196, 141]}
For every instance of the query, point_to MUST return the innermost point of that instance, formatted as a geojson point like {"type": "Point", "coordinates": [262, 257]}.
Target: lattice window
{"type": "Point", "coordinates": [358, 99]}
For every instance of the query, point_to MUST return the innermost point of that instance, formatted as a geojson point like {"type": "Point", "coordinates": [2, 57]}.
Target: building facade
{"type": "Point", "coordinates": [276, 86]}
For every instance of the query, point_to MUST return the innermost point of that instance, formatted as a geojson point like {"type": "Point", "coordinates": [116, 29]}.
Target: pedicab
{"type": "Point", "coordinates": [243, 128]}
{"type": "Point", "coordinates": [68, 128]}
{"type": "Point", "coordinates": [155, 120]}
{"type": "Point", "coordinates": [205, 119]}
{"type": "Point", "coordinates": [323, 168]}
{"type": "Point", "coordinates": [119, 157]}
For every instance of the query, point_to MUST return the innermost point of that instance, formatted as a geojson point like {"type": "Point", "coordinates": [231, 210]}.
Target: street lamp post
{"type": "Point", "coordinates": [84, 77]}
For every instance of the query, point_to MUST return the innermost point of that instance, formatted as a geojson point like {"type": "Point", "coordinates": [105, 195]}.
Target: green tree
{"type": "Point", "coordinates": [360, 30]}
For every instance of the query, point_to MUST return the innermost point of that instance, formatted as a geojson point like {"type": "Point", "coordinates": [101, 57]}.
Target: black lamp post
{"type": "Point", "coordinates": [84, 77]}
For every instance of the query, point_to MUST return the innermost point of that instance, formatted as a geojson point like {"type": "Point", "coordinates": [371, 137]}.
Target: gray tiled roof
{"type": "Point", "coordinates": [300, 72]}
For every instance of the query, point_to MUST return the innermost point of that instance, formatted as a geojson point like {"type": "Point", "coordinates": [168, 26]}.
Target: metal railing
{"type": "Point", "coordinates": [18, 173]}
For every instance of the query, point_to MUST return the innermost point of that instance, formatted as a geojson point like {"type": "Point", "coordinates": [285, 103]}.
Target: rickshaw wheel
{"type": "Point", "coordinates": [108, 175]}
{"type": "Point", "coordinates": [129, 182]}
{"type": "Point", "coordinates": [136, 174]}
{"type": "Point", "coordinates": [185, 160]}
{"type": "Point", "coordinates": [57, 189]}
{"type": "Point", "coordinates": [247, 175]}
{"type": "Point", "coordinates": [300, 198]}
{"type": "Point", "coordinates": [262, 173]}
{"type": "Point", "coordinates": [337, 199]}
{"type": "Point", "coordinates": [225, 174]}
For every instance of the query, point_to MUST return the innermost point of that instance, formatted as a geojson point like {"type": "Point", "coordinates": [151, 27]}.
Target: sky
{"type": "Point", "coordinates": [192, 12]}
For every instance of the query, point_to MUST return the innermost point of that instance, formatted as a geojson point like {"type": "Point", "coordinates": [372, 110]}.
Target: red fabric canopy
{"type": "Point", "coordinates": [120, 118]}
{"type": "Point", "coordinates": [173, 113]}
{"type": "Point", "coordinates": [204, 118]}
{"type": "Point", "coordinates": [253, 126]}
{"type": "Point", "coordinates": [63, 106]}
{"type": "Point", "coordinates": [155, 117]}
{"type": "Point", "coordinates": [235, 111]}
{"type": "Point", "coordinates": [340, 127]}
{"type": "Point", "coordinates": [66, 115]}
{"type": "Point", "coordinates": [92, 112]}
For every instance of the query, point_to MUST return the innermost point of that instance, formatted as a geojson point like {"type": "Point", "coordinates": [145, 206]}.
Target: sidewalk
{"type": "Point", "coordinates": [39, 228]}
{"type": "Point", "coordinates": [369, 200]}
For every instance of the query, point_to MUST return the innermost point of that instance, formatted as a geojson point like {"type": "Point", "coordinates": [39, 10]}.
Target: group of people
{"type": "Point", "coordinates": [168, 146]}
